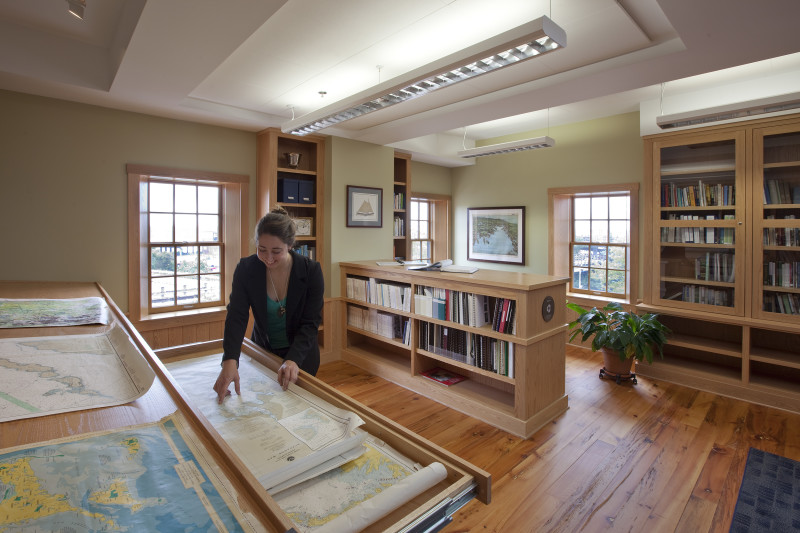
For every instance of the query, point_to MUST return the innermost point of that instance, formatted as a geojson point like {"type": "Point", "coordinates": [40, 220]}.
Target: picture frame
{"type": "Point", "coordinates": [304, 226]}
{"type": "Point", "coordinates": [496, 234]}
{"type": "Point", "coordinates": [364, 207]}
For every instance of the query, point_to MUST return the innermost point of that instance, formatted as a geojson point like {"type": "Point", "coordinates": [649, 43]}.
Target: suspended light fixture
{"type": "Point", "coordinates": [513, 146]}
{"type": "Point", "coordinates": [524, 42]}
{"type": "Point", "coordinates": [774, 104]}
{"type": "Point", "coordinates": [76, 8]}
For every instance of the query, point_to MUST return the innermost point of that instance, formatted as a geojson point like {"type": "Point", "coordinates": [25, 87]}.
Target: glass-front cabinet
{"type": "Point", "coordinates": [699, 223]}
{"type": "Point", "coordinates": [776, 257]}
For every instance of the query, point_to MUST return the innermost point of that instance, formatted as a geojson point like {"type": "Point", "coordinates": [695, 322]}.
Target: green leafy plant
{"type": "Point", "coordinates": [629, 334]}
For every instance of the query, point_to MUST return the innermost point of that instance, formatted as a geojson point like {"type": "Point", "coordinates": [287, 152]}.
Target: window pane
{"type": "Point", "coordinates": [582, 231]}
{"type": "Point", "coordinates": [187, 260]}
{"type": "Point", "coordinates": [423, 230]}
{"type": "Point", "coordinates": [580, 278]}
{"type": "Point", "coordinates": [163, 292]}
{"type": "Point", "coordinates": [582, 207]}
{"type": "Point", "coordinates": [185, 199]}
{"type": "Point", "coordinates": [209, 259]}
{"type": "Point", "coordinates": [616, 257]}
{"type": "Point", "coordinates": [618, 231]}
{"type": "Point", "coordinates": [423, 210]}
{"type": "Point", "coordinates": [160, 228]}
{"type": "Point", "coordinates": [161, 197]}
{"type": "Point", "coordinates": [599, 231]}
{"type": "Point", "coordinates": [187, 290]}
{"type": "Point", "coordinates": [185, 228]}
{"type": "Point", "coordinates": [415, 250]}
{"type": "Point", "coordinates": [598, 256]}
{"type": "Point", "coordinates": [580, 255]}
{"type": "Point", "coordinates": [425, 250]}
{"type": "Point", "coordinates": [210, 287]}
{"type": "Point", "coordinates": [209, 228]}
{"type": "Point", "coordinates": [414, 210]}
{"type": "Point", "coordinates": [414, 229]}
{"type": "Point", "coordinates": [208, 200]}
{"type": "Point", "coordinates": [162, 261]}
{"type": "Point", "coordinates": [619, 207]}
{"type": "Point", "coordinates": [600, 207]}
{"type": "Point", "coordinates": [616, 281]}
{"type": "Point", "coordinates": [597, 280]}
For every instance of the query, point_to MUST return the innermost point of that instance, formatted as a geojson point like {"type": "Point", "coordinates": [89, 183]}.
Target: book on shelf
{"type": "Point", "coordinates": [440, 375]}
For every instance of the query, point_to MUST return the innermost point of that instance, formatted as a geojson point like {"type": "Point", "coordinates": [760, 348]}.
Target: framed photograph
{"type": "Point", "coordinates": [364, 207]}
{"type": "Point", "coordinates": [496, 234]}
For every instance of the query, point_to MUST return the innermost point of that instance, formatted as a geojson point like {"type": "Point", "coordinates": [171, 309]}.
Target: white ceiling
{"type": "Point", "coordinates": [251, 64]}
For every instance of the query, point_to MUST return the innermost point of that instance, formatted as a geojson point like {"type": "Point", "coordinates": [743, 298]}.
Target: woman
{"type": "Point", "coordinates": [285, 292]}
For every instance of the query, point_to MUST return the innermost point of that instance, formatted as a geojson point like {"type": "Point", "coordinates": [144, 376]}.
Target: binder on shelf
{"type": "Point", "coordinates": [288, 190]}
{"type": "Point", "coordinates": [305, 191]}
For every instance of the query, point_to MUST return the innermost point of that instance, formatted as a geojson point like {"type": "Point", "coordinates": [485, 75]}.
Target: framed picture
{"type": "Point", "coordinates": [496, 234]}
{"type": "Point", "coordinates": [304, 226]}
{"type": "Point", "coordinates": [364, 207]}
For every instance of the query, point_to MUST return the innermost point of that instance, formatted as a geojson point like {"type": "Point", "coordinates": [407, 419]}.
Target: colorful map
{"type": "Point", "coordinates": [25, 313]}
{"type": "Point", "coordinates": [46, 375]}
{"type": "Point", "coordinates": [147, 478]}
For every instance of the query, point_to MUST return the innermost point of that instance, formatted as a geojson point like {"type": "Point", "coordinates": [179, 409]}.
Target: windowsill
{"type": "Point", "coordinates": [579, 296]}
{"type": "Point", "coordinates": [188, 317]}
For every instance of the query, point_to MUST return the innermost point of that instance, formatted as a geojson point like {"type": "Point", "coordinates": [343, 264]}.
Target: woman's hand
{"type": "Point", "coordinates": [229, 372]}
{"type": "Point", "coordinates": [287, 373]}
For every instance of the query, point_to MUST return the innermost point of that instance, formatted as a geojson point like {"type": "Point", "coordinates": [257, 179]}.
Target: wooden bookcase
{"type": "Point", "coordinates": [724, 275]}
{"type": "Point", "coordinates": [402, 206]}
{"type": "Point", "coordinates": [520, 404]}
{"type": "Point", "coordinates": [275, 171]}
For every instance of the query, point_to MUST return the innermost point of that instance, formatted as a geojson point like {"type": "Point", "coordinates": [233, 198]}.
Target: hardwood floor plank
{"type": "Point", "coordinates": [649, 457]}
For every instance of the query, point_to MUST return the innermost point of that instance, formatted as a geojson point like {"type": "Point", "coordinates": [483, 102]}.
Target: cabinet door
{"type": "Point", "coordinates": [698, 237]}
{"type": "Point", "coordinates": [776, 227]}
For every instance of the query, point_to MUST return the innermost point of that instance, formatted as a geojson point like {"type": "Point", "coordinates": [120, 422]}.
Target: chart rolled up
{"type": "Point", "coordinates": [382, 504]}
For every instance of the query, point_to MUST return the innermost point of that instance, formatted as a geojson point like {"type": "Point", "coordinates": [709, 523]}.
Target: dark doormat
{"type": "Point", "coordinates": [769, 498]}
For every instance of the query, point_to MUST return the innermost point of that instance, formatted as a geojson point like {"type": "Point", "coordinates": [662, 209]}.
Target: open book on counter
{"type": "Point", "coordinates": [446, 265]}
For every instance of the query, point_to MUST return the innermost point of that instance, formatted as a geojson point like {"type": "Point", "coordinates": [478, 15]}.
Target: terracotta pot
{"type": "Point", "coordinates": [612, 364]}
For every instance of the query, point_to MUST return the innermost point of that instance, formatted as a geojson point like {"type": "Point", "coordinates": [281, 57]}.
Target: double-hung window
{"type": "Point", "coordinates": [430, 227]}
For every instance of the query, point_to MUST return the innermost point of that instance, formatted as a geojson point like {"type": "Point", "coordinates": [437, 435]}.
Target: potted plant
{"type": "Point", "coordinates": [621, 336]}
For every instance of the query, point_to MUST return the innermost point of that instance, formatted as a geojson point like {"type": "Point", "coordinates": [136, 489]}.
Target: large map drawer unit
{"type": "Point", "coordinates": [155, 414]}
{"type": "Point", "coordinates": [505, 332]}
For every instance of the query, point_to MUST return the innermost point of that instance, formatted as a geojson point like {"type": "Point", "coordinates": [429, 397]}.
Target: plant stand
{"type": "Point", "coordinates": [619, 378]}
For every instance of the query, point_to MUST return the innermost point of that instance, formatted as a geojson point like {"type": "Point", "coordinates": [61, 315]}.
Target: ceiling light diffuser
{"type": "Point", "coordinates": [761, 106]}
{"type": "Point", "coordinates": [524, 42]}
{"type": "Point", "coordinates": [513, 146]}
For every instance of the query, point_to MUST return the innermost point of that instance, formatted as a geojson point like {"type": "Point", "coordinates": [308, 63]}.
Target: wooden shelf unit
{"type": "Point", "coordinates": [401, 233]}
{"type": "Point", "coordinates": [748, 344]}
{"type": "Point", "coordinates": [519, 404]}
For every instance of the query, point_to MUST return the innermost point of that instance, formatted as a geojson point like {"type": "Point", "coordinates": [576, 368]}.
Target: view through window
{"type": "Point", "coordinates": [421, 237]}
{"type": "Point", "coordinates": [600, 244]}
{"type": "Point", "coordinates": [184, 244]}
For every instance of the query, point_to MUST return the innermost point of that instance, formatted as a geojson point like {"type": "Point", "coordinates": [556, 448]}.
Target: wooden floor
{"type": "Point", "coordinates": [648, 457]}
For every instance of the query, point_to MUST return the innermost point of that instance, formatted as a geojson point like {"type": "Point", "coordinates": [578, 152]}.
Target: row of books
{"type": "Point", "coordinates": [399, 229]}
{"type": "Point", "coordinates": [716, 266]}
{"type": "Point", "coordinates": [781, 192]}
{"type": "Point", "coordinates": [306, 250]}
{"type": "Point", "coordinates": [391, 295]}
{"type": "Point", "coordinates": [707, 295]}
{"type": "Point", "coordinates": [700, 195]}
{"type": "Point", "coordinates": [466, 308]}
{"type": "Point", "coordinates": [698, 234]}
{"type": "Point", "coordinates": [399, 200]}
{"type": "Point", "coordinates": [782, 274]}
{"type": "Point", "coordinates": [781, 236]}
{"type": "Point", "coordinates": [472, 349]}
{"type": "Point", "coordinates": [380, 323]}
{"type": "Point", "coordinates": [784, 303]}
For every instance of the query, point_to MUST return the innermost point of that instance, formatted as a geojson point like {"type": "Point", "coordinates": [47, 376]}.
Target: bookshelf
{"type": "Point", "coordinates": [743, 340]}
{"type": "Point", "coordinates": [513, 359]}
{"type": "Point", "coordinates": [402, 205]}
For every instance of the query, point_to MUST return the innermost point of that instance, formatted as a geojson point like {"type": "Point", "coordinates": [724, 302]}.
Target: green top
{"type": "Point", "coordinates": [276, 325]}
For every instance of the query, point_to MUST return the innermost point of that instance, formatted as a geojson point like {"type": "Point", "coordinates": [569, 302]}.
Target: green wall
{"type": "Point", "coordinates": [431, 179]}
{"type": "Point", "coordinates": [602, 151]}
{"type": "Point", "coordinates": [63, 186]}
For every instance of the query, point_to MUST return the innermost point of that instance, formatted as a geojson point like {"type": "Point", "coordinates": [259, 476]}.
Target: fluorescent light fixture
{"type": "Point", "coordinates": [749, 108]}
{"type": "Point", "coordinates": [509, 48]}
{"type": "Point", "coordinates": [513, 146]}
{"type": "Point", "coordinates": [76, 7]}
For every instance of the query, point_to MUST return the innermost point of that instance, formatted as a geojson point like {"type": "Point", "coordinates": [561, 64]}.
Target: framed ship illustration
{"type": "Point", "coordinates": [364, 207]}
